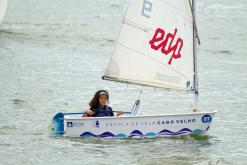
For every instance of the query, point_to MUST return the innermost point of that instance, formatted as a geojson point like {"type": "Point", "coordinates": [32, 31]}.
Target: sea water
{"type": "Point", "coordinates": [53, 54]}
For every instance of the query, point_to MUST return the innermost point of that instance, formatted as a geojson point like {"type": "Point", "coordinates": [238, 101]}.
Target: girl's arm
{"type": "Point", "coordinates": [89, 112]}
{"type": "Point", "coordinates": [119, 113]}
{"type": "Point", "coordinates": [111, 112]}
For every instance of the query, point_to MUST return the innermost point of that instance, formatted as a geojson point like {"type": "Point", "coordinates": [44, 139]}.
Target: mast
{"type": "Point", "coordinates": [196, 92]}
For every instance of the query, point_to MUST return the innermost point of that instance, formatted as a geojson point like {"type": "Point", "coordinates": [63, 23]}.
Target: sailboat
{"type": "Point", "coordinates": [3, 7]}
{"type": "Point", "coordinates": [156, 47]}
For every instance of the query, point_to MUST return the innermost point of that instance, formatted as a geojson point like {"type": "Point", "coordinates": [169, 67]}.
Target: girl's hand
{"type": "Point", "coordinates": [119, 113]}
{"type": "Point", "coordinates": [195, 110]}
{"type": "Point", "coordinates": [89, 112]}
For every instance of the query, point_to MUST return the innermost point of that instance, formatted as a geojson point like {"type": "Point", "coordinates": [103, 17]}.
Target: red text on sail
{"type": "Point", "coordinates": [165, 43]}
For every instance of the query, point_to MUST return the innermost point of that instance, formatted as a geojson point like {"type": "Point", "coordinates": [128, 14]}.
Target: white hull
{"type": "Point", "coordinates": [71, 125]}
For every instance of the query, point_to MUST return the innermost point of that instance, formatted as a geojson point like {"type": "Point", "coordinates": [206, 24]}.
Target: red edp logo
{"type": "Point", "coordinates": [165, 42]}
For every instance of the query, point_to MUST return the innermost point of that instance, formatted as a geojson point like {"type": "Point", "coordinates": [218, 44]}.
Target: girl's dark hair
{"type": "Point", "coordinates": [94, 103]}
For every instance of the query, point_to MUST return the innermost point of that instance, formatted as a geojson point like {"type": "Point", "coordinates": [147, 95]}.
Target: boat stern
{"type": "Point", "coordinates": [58, 124]}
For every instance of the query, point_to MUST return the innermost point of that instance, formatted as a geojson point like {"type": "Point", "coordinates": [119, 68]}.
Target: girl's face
{"type": "Point", "coordinates": [103, 100]}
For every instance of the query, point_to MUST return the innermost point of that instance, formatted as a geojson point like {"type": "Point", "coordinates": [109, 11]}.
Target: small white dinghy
{"type": "Point", "coordinates": [157, 48]}
{"type": "Point", "coordinates": [3, 7]}
{"type": "Point", "coordinates": [73, 125]}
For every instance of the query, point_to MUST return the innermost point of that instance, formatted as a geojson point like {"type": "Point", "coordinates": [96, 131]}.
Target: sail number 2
{"type": "Point", "coordinates": [165, 43]}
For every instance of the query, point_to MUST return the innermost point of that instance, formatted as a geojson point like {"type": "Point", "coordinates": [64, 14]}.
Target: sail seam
{"type": "Point", "coordinates": [152, 59]}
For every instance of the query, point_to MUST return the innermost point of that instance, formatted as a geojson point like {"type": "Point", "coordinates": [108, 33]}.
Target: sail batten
{"type": "Point", "coordinates": [158, 62]}
{"type": "Point", "coordinates": [155, 46]}
{"type": "Point", "coordinates": [147, 84]}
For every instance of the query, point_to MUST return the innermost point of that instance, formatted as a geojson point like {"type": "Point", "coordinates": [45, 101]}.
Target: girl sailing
{"type": "Point", "coordinates": [98, 106]}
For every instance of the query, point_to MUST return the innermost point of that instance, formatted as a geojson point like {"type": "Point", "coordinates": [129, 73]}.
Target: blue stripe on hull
{"type": "Point", "coordinates": [139, 134]}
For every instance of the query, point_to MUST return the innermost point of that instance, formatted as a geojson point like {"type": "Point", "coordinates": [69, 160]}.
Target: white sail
{"type": "Point", "coordinates": [3, 6]}
{"type": "Point", "coordinates": [155, 45]}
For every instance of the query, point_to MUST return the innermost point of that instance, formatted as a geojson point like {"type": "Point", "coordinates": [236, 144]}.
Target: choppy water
{"type": "Point", "coordinates": [52, 55]}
